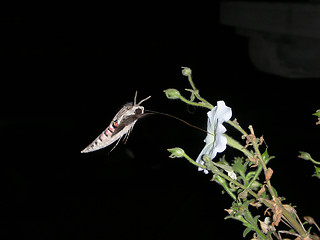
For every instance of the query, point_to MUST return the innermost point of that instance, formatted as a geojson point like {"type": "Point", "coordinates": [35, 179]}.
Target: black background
{"type": "Point", "coordinates": [64, 76]}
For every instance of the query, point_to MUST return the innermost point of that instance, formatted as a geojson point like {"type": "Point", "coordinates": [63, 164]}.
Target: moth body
{"type": "Point", "coordinates": [121, 125]}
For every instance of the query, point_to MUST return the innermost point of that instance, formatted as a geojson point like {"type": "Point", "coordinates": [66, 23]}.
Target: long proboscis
{"type": "Point", "coordinates": [185, 122]}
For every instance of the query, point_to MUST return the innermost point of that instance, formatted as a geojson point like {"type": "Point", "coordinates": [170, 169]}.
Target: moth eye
{"type": "Point", "coordinates": [138, 111]}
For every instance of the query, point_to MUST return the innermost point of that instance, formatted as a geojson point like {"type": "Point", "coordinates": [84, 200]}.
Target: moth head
{"type": "Point", "coordinates": [135, 101]}
{"type": "Point", "coordinates": [139, 110]}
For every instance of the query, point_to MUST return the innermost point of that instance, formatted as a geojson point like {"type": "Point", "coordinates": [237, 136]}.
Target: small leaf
{"type": "Point", "coordinates": [237, 166]}
{"type": "Point", "coordinates": [317, 172]}
{"type": "Point", "coordinates": [276, 193]}
{"type": "Point", "coordinates": [265, 156]}
{"type": "Point", "coordinates": [255, 219]}
{"type": "Point", "coordinates": [246, 231]}
{"type": "Point", "coordinates": [317, 113]}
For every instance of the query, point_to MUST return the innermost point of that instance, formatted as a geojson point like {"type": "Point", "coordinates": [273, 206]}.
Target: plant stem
{"type": "Point", "coordinates": [314, 161]}
{"type": "Point", "coordinates": [235, 144]}
{"type": "Point", "coordinates": [194, 162]}
{"type": "Point", "coordinates": [237, 126]}
{"type": "Point", "coordinates": [191, 82]}
{"type": "Point", "coordinates": [198, 104]}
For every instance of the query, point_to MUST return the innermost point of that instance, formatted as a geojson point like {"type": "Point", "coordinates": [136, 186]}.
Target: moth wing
{"type": "Point", "coordinates": [128, 121]}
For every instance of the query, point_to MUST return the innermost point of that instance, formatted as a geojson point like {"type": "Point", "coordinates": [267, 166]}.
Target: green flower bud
{"type": "Point", "coordinates": [305, 155]}
{"type": "Point", "coordinates": [176, 152]}
{"type": "Point", "coordinates": [172, 93]}
{"type": "Point", "coordinates": [186, 71]}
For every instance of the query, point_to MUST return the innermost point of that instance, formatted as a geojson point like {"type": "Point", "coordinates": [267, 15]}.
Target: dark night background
{"type": "Point", "coordinates": [65, 76]}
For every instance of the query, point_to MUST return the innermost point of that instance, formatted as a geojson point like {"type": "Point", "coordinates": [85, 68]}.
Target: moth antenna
{"type": "Point", "coordinates": [135, 98]}
{"type": "Point", "coordinates": [144, 100]}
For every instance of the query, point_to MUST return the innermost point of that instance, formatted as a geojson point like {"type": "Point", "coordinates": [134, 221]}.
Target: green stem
{"type": "Point", "coordinates": [198, 104]}
{"type": "Point", "coordinates": [194, 162]}
{"type": "Point", "coordinates": [195, 91]}
{"type": "Point", "coordinates": [255, 176]}
{"type": "Point", "coordinates": [205, 102]}
{"type": "Point", "coordinates": [314, 161]}
{"type": "Point", "coordinates": [235, 144]}
{"type": "Point", "coordinates": [237, 126]}
{"type": "Point", "coordinates": [191, 82]}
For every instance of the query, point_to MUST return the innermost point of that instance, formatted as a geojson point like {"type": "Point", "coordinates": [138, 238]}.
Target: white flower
{"type": "Point", "coordinates": [215, 141]}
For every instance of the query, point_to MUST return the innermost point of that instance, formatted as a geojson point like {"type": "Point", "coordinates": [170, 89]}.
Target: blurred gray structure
{"type": "Point", "coordinates": [284, 38]}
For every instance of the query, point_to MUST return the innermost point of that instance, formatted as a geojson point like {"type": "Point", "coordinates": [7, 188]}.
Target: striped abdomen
{"type": "Point", "coordinates": [106, 138]}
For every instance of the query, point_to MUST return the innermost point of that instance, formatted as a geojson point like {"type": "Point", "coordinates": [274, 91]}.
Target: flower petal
{"type": "Point", "coordinates": [220, 144]}
{"type": "Point", "coordinates": [224, 113]}
{"type": "Point", "coordinates": [208, 149]}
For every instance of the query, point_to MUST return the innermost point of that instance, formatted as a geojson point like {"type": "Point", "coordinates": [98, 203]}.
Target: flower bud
{"type": "Point", "coordinates": [186, 71]}
{"type": "Point", "coordinates": [172, 93]}
{"type": "Point", "coordinates": [305, 155]}
{"type": "Point", "coordinates": [176, 152]}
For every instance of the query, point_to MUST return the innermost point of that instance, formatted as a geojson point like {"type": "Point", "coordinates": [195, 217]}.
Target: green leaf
{"type": "Point", "coordinates": [246, 204]}
{"type": "Point", "coordinates": [317, 172]}
{"type": "Point", "coordinates": [317, 113]}
{"type": "Point", "coordinates": [265, 156]}
{"type": "Point", "coordinates": [238, 166]}
{"type": "Point", "coordinates": [255, 219]}
{"type": "Point", "coordinates": [275, 191]}
{"type": "Point", "coordinates": [246, 231]}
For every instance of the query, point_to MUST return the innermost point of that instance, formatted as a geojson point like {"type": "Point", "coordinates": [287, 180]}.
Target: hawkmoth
{"type": "Point", "coordinates": [121, 125]}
